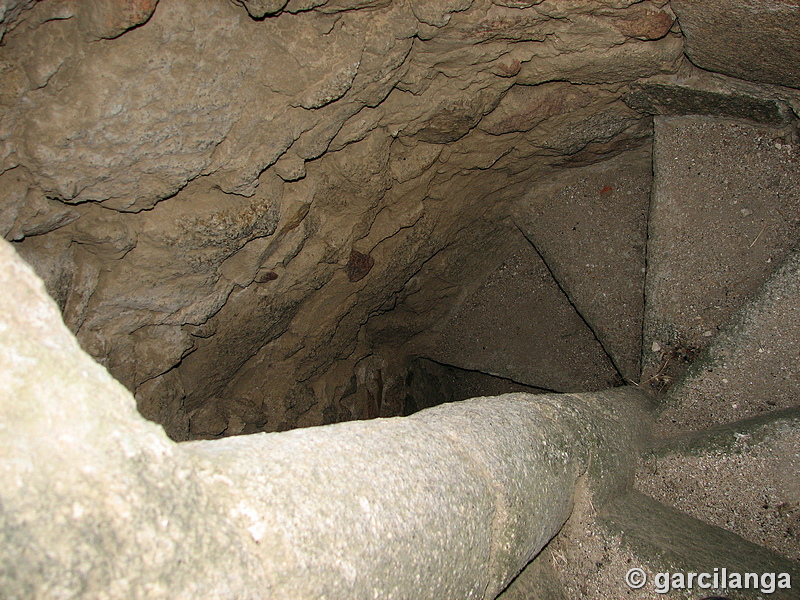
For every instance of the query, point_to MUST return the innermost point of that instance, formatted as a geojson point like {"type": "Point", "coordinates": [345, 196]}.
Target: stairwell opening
{"type": "Point", "coordinates": [260, 220]}
{"type": "Point", "coordinates": [270, 245]}
{"type": "Point", "coordinates": [491, 315]}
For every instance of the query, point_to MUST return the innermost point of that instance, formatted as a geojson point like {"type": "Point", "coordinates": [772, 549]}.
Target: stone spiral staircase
{"type": "Point", "coordinates": [693, 467]}
{"type": "Point", "coordinates": [649, 312]}
{"type": "Point", "coordinates": [719, 483]}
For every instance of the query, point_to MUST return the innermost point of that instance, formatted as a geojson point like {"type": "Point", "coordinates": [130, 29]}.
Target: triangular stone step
{"type": "Point", "coordinates": [743, 477]}
{"type": "Point", "coordinates": [429, 383]}
{"type": "Point", "coordinates": [594, 554]}
{"type": "Point", "coordinates": [521, 326]}
{"type": "Point", "coordinates": [669, 541]}
{"type": "Point", "coordinates": [590, 226]}
{"type": "Point", "coordinates": [725, 211]}
{"type": "Point", "coordinates": [752, 367]}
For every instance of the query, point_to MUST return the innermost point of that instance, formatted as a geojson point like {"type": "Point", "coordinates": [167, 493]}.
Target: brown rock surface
{"type": "Point", "coordinates": [10, 13]}
{"type": "Point", "coordinates": [645, 23]}
{"type": "Point", "coordinates": [111, 18]}
{"type": "Point", "coordinates": [261, 215]}
{"type": "Point", "coordinates": [524, 107]}
{"type": "Point", "coordinates": [192, 189]}
{"type": "Point", "coordinates": [757, 40]}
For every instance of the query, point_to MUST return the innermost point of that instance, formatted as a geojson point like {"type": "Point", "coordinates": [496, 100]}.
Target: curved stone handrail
{"type": "Point", "coordinates": [451, 502]}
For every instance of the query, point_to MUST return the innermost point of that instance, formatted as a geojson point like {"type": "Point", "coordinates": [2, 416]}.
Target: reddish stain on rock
{"type": "Point", "coordinates": [644, 24]}
{"type": "Point", "coordinates": [509, 70]}
{"type": "Point", "coordinates": [524, 107]}
{"type": "Point", "coordinates": [358, 265]}
{"type": "Point", "coordinates": [263, 276]}
{"type": "Point", "coordinates": [111, 18]}
{"type": "Point", "coordinates": [607, 189]}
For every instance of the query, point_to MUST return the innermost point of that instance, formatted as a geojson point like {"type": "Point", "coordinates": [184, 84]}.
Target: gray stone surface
{"type": "Point", "coordinates": [562, 438]}
{"type": "Point", "coordinates": [666, 540]}
{"type": "Point", "coordinates": [96, 501]}
{"type": "Point", "coordinates": [596, 550]}
{"type": "Point", "coordinates": [665, 99]}
{"type": "Point", "coordinates": [539, 581]}
{"type": "Point", "coordinates": [452, 502]}
{"type": "Point", "coordinates": [366, 509]}
{"type": "Point", "coordinates": [725, 212]}
{"type": "Point", "coordinates": [752, 365]}
{"type": "Point", "coordinates": [520, 325]}
{"type": "Point", "coordinates": [757, 40]}
{"type": "Point", "coordinates": [590, 226]}
{"type": "Point", "coordinates": [743, 477]}
{"type": "Point", "coordinates": [694, 91]}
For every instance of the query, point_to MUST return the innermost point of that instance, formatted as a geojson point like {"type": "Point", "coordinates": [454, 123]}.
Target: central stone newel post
{"type": "Point", "coordinates": [449, 503]}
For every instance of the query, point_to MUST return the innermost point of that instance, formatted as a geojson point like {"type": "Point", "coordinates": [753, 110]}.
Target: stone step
{"type": "Point", "coordinates": [590, 226]}
{"type": "Point", "coordinates": [725, 211]}
{"type": "Point", "coordinates": [744, 477]}
{"type": "Point", "coordinates": [751, 367]}
{"type": "Point", "coordinates": [594, 552]}
{"type": "Point", "coordinates": [520, 325]}
{"type": "Point", "coordinates": [429, 383]}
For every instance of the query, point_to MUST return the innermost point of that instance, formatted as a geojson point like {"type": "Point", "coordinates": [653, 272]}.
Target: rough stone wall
{"type": "Point", "coordinates": [244, 209]}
